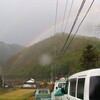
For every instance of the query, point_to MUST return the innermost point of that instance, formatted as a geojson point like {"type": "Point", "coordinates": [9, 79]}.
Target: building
{"type": "Point", "coordinates": [29, 84]}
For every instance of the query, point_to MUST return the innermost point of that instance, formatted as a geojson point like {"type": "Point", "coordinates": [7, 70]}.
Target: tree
{"type": "Point", "coordinates": [1, 81]}
{"type": "Point", "coordinates": [89, 57]}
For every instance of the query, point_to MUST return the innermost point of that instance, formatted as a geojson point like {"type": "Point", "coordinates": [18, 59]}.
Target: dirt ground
{"type": "Point", "coordinates": [31, 98]}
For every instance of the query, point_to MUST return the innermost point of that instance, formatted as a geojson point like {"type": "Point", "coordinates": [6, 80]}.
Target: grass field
{"type": "Point", "coordinates": [20, 94]}
{"type": "Point", "coordinates": [3, 91]}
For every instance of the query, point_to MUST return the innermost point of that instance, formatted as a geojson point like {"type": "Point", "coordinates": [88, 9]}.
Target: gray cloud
{"type": "Point", "coordinates": [21, 20]}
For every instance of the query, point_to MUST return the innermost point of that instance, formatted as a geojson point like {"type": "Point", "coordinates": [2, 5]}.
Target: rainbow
{"type": "Point", "coordinates": [37, 36]}
{"type": "Point", "coordinates": [44, 32]}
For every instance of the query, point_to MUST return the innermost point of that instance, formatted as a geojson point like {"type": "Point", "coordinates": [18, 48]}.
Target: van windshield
{"type": "Point", "coordinates": [94, 88]}
{"type": "Point", "coordinates": [61, 85]}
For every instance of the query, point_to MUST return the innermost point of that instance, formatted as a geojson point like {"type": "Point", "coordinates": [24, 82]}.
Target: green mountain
{"type": "Point", "coordinates": [7, 51]}
{"type": "Point", "coordinates": [37, 61]}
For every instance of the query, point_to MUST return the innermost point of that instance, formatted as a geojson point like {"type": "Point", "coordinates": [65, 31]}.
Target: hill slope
{"type": "Point", "coordinates": [7, 50]}
{"type": "Point", "coordinates": [37, 60]}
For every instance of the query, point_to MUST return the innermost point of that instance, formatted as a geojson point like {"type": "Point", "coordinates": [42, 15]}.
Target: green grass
{"type": "Point", "coordinates": [3, 90]}
{"type": "Point", "coordinates": [20, 94]}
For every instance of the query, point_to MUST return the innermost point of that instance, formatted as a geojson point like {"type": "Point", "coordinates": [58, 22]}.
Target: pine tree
{"type": "Point", "coordinates": [89, 57]}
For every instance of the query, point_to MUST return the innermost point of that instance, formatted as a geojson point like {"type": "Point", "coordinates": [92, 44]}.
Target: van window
{"type": "Point", "coordinates": [72, 87]}
{"type": "Point", "coordinates": [80, 88]}
{"type": "Point", "coordinates": [94, 88]}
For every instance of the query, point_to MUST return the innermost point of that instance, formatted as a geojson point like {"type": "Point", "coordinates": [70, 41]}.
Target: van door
{"type": "Point", "coordinates": [64, 97]}
{"type": "Point", "coordinates": [76, 89]}
{"type": "Point", "coordinates": [72, 89]}
{"type": "Point", "coordinates": [94, 89]}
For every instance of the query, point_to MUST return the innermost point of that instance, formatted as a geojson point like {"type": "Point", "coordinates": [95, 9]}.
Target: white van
{"type": "Point", "coordinates": [83, 86]}
{"type": "Point", "coordinates": [58, 85]}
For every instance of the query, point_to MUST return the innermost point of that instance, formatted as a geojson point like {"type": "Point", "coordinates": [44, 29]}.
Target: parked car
{"type": "Point", "coordinates": [83, 85]}
{"type": "Point", "coordinates": [42, 94]}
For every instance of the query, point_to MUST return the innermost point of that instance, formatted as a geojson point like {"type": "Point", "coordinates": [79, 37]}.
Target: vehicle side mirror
{"type": "Point", "coordinates": [56, 88]}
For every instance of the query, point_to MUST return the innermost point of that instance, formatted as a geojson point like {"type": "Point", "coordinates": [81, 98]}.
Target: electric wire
{"type": "Point", "coordinates": [64, 16]}
{"type": "Point", "coordinates": [80, 9]}
{"type": "Point", "coordinates": [56, 17]}
{"type": "Point", "coordinates": [79, 25]}
{"type": "Point", "coordinates": [55, 27]}
{"type": "Point", "coordinates": [63, 22]}
{"type": "Point", "coordinates": [68, 15]}
{"type": "Point", "coordinates": [54, 53]}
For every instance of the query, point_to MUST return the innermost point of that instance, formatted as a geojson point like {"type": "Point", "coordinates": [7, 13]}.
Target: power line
{"type": "Point", "coordinates": [56, 16]}
{"type": "Point", "coordinates": [80, 24]}
{"type": "Point", "coordinates": [63, 22]}
{"type": "Point", "coordinates": [64, 16]}
{"type": "Point", "coordinates": [55, 26]}
{"type": "Point", "coordinates": [54, 53]}
{"type": "Point", "coordinates": [67, 18]}
{"type": "Point", "coordinates": [80, 9]}
{"type": "Point", "coordinates": [69, 15]}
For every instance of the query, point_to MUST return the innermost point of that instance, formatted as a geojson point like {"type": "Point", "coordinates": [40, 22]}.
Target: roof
{"type": "Point", "coordinates": [91, 72]}
{"type": "Point", "coordinates": [30, 81]}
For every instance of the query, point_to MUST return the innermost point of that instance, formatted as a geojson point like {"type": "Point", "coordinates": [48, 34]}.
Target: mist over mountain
{"type": "Point", "coordinates": [8, 50]}
{"type": "Point", "coordinates": [37, 60]}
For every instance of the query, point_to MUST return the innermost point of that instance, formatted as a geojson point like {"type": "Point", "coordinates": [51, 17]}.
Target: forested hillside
{"type": "Point", "coordinates": [37, 61]}
{"type": "Point", "coordinates": [8, 50]}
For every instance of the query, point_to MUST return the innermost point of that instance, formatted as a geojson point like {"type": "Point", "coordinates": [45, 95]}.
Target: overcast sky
{"type": "Point", "coordinates": [25, 21]}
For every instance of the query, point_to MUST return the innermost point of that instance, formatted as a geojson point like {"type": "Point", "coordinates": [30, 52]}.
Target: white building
{"type": "Point", "coordinates": [29, 84]}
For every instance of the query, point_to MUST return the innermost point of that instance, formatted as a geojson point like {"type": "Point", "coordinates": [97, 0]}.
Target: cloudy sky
{"type": "Point", "coordinates": [27, 21]}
